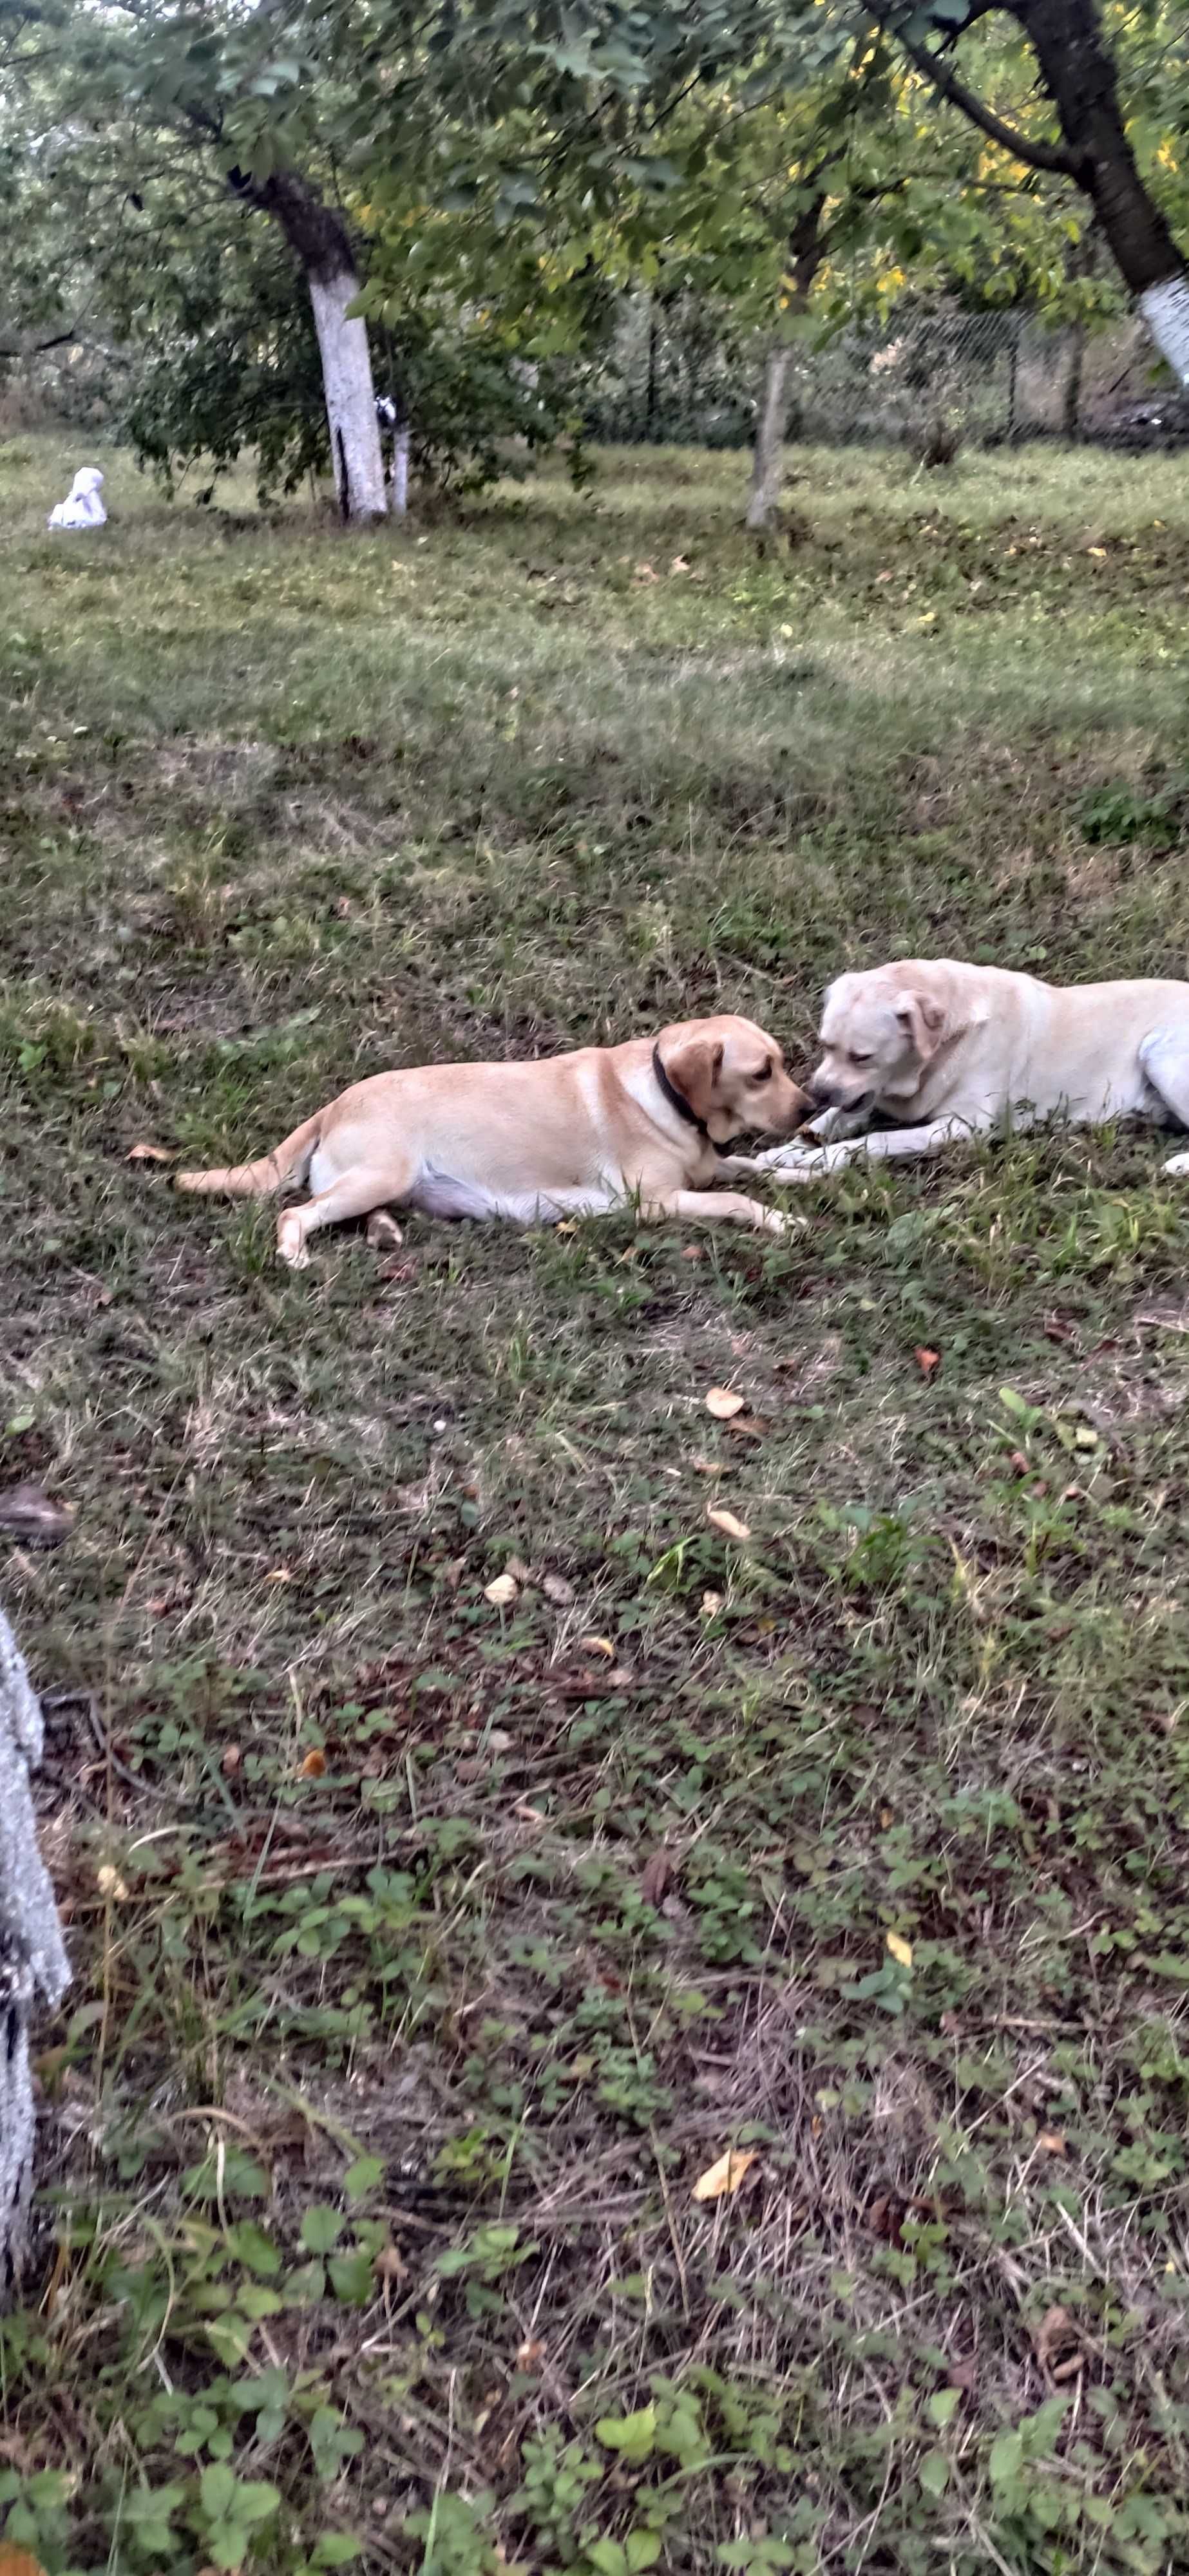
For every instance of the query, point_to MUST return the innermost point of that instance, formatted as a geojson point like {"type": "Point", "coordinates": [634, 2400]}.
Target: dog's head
{"type": "Point", "coordinates": [732, 1075]}
{"type": "Point", "coordinates": [879, 1031]}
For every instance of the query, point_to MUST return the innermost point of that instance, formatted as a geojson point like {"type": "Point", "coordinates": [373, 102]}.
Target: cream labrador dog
{"type": "Point", "coordinates": [949, 1050]}
{"type": "Point", "coordinates": [570, 1135]}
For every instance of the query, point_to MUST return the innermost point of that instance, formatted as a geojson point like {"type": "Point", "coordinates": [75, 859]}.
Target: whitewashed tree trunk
{"type": "Point", "coordinates": [768, 459]}
{"type": "Point", "coordinates": [1165, 309]}
{"type": "Point", "coordinates": [33, 1963]}
{"type": "Point", "coordinates": [350, 398]}
{"type": "Point", "coordinates": [400, 471]}
{"type": "Point", "coordinates": [317, 234]}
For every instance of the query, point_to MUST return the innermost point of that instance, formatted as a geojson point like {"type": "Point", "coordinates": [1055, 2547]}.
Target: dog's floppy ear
{"type": "Point", "coordinates": [693, 1064]}
{"type": "Point", "coordinates": [923, 1017]}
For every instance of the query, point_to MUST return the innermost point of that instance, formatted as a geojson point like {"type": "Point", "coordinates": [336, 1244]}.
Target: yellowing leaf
{"type": "Point", "coordinates": [18, 2562]}
{"type": "Point", "coordinates": [725, 2175]}
{"type": "Point", "coordinates": [314, 1765]}
{"type": "Point", "coordinates": [502, 1592]}
{"type": "Point", "coordinates": [723, 1402]}
{"type": "Point", "coordinates": [727, 1522]}
{"type": "Point", "coordinates": [901, 1950]}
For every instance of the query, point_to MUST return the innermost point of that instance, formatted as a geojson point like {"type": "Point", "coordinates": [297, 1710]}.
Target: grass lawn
{"type": "Point", "coordinates": [427, 1952]}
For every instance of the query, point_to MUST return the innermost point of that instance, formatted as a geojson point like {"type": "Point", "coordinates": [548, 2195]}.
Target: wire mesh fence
{"type": "Point", "coordinates": [676, 376]}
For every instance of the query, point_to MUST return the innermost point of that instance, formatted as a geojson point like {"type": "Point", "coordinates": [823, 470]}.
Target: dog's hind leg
{"type": "Point", "coordinates": [354, 1193]}
{"type": "Point", "coordinates": [1164, 1060]}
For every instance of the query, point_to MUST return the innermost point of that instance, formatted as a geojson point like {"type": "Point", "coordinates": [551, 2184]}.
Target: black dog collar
{"type": "Point", "coordinates": [677, 1100]}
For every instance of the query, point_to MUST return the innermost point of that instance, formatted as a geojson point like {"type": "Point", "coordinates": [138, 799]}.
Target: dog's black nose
{"type": "Point", "coordinates": [823, 1093]}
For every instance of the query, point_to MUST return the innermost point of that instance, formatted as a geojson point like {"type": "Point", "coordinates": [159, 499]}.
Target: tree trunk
{"type": "Point", "coordinates": [319, 238]}
{"type": "Point", "coordinates": [650, 386]}
{"type": "Point", "coordinates": [33, 1964]}
{"type": "Point", "coordinates": [400, 471]}
{"type": "Point", "coordinates": [768, 458]}
{"type": "Point", "coordinates": [1071, 400]}
{"type": "Point", "coordinates": [807, 250]}
{"type": "Point", "coordinates": [1013, 379]}
{"type": "Point", "coordinates": [350, 400]}
{"type": "Point", "coordinates": [1079, 73]}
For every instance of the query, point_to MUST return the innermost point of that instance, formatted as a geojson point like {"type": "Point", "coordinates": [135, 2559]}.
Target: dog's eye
{"type": "Point", "coordinates": [859, 1059]}
{"type": "Point", "coordinates": [764, 1074]}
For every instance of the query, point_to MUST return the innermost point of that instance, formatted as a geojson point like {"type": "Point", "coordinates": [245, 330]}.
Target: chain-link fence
{"type": "Point", "coordinates": [678, 377]}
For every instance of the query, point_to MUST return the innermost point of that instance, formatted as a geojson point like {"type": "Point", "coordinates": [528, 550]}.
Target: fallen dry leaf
{"type": "Point", "coordinates": [725, 2175]}
{"type": "Point", "coordinates": [588, 1683]}
{"type": "Point", "coordinates": [727, 1522]}
{"type": "Point", "coordinates": [598, 1646]}
{"type": "Point", "coordinates": [1059, 2347]}
{"type": "Point", "coordinates": [529, 2353]}
{"type": "Point", "coordinates": [232, 1762]}
{"type": "Point", "coordinates": [519, 1571]}
{"type": "Point", "coordinates": [30, 1515]}
{"type": "Point", "coordinates": [927, 1361]}
{"type": "Point", "coordinates": [645, 572]}
{"type": "Point", "coordinates": [314, 1765]}
{"type": "Point", "coordinates": [109, 1883]}
{"type": "Point", "coordinates": [749, 1426]}
{"type": "Point", "coordinates": [901, 1950]}
{"type": "Point", "coordinates": [723, 1402]}
{"type": "Point", "coordinates": [147, 1154]}
{"type": "Point", "coordinates": [656, 1876]}
{"type": "Point", "coordinates": [692, 1252]}
{"type": "Point", "coordinates": [502, 1592]}
{"type": "Point", "coordinates": [1051, 2142]}
{"type": "Point", "coordinates": [389, 2265]}
{"type": "Point", "coordinates": [711, 1604]}
{"type": "Point", "coordinates": [18, 2562]}
{"type": "Point", "coordinates": [557, 1590]}
{"type": "Point", "coordinates": [529, 1815]}
{"type": "Point", "coordinates": [278, 1574]}
{"type": "Point", "coordinates": [680, 563]}
{"type": "Point", "coordinates": [707, 1466]}
{"type": "Point", "coordinates": [885, 2216]}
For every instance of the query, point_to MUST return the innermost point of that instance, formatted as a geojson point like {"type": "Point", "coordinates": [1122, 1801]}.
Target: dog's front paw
{"type": "Point", "coordinates": [383, 1232]}
{"type": "Point", "coordinates": [291, 1247]}
{"type": "Point", "coordinates": [1177, 1164]}
{"type": "Point", "coordinates": [785, 1158]}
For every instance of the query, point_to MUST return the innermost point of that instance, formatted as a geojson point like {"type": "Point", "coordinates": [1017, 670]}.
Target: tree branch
{"type": "Point", "coordinates": [27, 346]}
{"type": "Point", "coordinates": [1035, 154]}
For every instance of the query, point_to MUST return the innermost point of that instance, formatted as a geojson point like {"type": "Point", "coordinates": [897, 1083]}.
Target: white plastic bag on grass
{"type": "Point", "coordinates": [84, 509]}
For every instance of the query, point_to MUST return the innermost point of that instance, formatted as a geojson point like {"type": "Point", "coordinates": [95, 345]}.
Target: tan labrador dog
{"type": "Point", "coordinates": [571, 1135]}
{"type": "Point", "coordinates": [948, 1050]}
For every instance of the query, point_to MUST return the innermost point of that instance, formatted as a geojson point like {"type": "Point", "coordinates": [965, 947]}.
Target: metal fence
{"type": "Point", "coordinates": [678, 377]}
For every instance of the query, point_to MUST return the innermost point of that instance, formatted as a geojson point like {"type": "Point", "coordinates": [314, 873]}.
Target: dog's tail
{"type": "Point", "coordinates": [288, 1162]}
